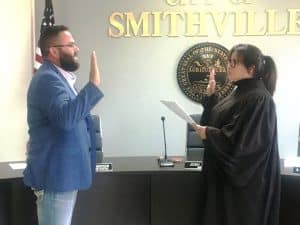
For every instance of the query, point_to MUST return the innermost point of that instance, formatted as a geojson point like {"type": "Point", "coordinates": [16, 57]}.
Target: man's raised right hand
{"type": "Point", "coordinates": [94, 71]}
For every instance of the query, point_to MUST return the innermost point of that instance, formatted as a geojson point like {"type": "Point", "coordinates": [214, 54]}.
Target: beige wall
{"type": "Point", "coordinates": [15, 72]}
{"type": "Point", "coordinates": [136, 73]}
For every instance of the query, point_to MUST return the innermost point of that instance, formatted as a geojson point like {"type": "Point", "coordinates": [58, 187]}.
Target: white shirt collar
{"type": "Point", "coordinates": [70, 77]}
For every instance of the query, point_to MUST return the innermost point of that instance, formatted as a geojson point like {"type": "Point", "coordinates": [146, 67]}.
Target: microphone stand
{"type": "Point", "coordinates": [299, 141]}
{"type": "Point", "coordinates": [165, 162]}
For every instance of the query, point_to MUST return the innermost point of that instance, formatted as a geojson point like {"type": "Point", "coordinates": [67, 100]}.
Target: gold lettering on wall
{"type": "Point", "coordinates": [173, 18]}
{"type": "Point", "coordinates": [156, 24]}
{"type": "Point", "coordinates": [180, 2]}
{"type": "Point", "coordinates": [220, 21]}
{"type": "Point", "coordinates": [252, 28]}
{"type": "Point", "coordinates": [237, 2]}
{"type": "Point", "coordinates": [238, 24]}
{"type": "Point", "coordinates": [273, 28]}
{"type": "Point", "coordinates": [115, 21]}
{"type": "Point", "coordinates": [195, 23]}
{"type": "Point", "coordinates": [142, 25]}
{"type": "Point", "coordinates": [196, 20]}
{"type": "Point", "coordinates": [294, 22]}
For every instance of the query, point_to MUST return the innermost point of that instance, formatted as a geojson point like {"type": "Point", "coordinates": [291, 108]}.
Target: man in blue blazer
{"type": "Point", "coordinates": [61, 152]}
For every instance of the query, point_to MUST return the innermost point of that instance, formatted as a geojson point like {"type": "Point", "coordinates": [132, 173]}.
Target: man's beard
{"type": "Point", "coordinates": [68, 63]}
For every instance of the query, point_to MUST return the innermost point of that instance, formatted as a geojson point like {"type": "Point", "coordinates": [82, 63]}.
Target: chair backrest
{"type": "Point", "coordinates": [98, 129]}
{"type": "Point", "coordinates": [194, 145]}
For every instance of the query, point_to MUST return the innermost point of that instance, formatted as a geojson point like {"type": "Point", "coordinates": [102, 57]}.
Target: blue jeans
{"type": "Point", "coordinates": [55, 208]}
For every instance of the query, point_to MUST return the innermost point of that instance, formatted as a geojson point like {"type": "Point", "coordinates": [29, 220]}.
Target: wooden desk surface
{"type": "Point", "coordinates": [145, 164]}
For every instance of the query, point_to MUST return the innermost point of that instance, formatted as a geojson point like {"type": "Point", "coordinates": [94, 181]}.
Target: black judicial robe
{"type": "Point", "coordinates": [241, 165]}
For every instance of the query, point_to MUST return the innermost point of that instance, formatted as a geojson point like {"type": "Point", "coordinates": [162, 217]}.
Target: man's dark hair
{"type": "Point", "coordinates": [47, 36]}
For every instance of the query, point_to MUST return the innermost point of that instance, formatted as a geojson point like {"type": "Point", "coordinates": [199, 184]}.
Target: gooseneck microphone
{"type": "Point", "coordinates": [165, 162]}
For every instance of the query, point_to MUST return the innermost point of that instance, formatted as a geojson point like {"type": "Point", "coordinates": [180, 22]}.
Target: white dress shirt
{"type": "Point", "coordinates": [70, 77]}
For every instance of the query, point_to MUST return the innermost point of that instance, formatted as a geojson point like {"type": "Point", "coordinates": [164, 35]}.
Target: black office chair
{"type": "Point", "coordinates": [98, 130]}
{"type": "Point", "coordinates": [194, 145]}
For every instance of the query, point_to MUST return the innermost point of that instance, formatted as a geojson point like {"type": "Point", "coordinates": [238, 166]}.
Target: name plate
{"type": "Point", "coordinates": [296, 170]}
{"type": "Point", "coordinates": [103, 167]}
{"type": "Point", "coordinates": [193, 165]}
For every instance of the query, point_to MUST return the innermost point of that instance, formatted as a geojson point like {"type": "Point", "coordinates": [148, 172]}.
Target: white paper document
{"type": "Point", "coordinates": [17, 166]}
{"type": "Point", "coordinates": [178, 110]}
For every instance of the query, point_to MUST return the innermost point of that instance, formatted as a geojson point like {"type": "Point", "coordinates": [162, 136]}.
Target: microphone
{"type": "Point", "coordinates": [165, 162]}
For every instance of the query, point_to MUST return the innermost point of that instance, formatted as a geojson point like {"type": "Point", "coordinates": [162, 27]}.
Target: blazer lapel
{"type": "Point", "coordinates": [62, 78]}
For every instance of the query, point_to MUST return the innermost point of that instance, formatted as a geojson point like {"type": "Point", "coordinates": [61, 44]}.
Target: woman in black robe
{"type": "Point", "coordinates": [241, 162]}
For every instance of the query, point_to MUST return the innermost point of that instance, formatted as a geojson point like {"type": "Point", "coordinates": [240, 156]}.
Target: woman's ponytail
{"type": "Point", "coordinates": [269, 74]}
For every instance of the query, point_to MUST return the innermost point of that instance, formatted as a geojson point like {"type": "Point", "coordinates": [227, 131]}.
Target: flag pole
{"type": "Point", "coordinates": [47, 20]}
{"type": "Point", "coordinates": [33, 38]}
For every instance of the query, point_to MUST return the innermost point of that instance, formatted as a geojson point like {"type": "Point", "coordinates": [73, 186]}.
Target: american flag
{"type": "Point", "coordinates": [47, 21]}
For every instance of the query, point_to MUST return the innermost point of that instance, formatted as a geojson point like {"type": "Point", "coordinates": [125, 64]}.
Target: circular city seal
{"type": "Point", "coordinates": [193, 70]}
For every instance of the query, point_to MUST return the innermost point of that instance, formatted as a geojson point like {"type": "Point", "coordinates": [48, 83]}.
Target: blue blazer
{"type": "Point", "coordinates": [61, 155]}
